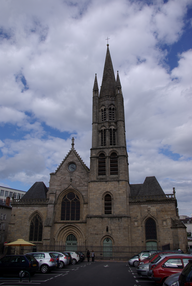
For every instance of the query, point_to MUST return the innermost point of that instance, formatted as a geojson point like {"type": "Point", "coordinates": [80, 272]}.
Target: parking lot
{"type": "Point", "coordinates": [84, 273]}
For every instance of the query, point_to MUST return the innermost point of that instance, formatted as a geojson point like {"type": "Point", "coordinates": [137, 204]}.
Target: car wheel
{"type": "Point", "coordinates": [44, 268]}
{"type": "Point", "coordinates": [74, 261]}
{"type": "Point", "coordinates": [61, 264]}
{"type": "Point", "coordinates": [136, 263]}
{"type": "Point", "coordinates": [21, 273]}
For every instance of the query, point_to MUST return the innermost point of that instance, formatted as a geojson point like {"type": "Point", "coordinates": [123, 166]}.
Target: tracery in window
{"type": "Point", "coordinates": [113, 164]}
{"type": "Point", "coordinates": [111, 113]}
{"type": "Point", "coordinates": [150, 229]}
{"type": "Point", "coordinates": [36, 229]}
{"type": "Point", "coordinates": [112, 136]}
{"type": "Point", "coordinates": [103, 114]}
{"type": "Point", "coordinates": [108, 204]}
{"type": "Point", "coordinates": [103, 137]}
{"type": "Point", "coordinates": [70, 207]}
{"type": "Point", "coordinates": [101, 165]}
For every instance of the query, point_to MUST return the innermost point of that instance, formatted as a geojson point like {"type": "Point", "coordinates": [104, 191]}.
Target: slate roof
{"type": "Point", "coordinates": [150, 187]}
{"type": "Point", "coordinates": [37, 191]}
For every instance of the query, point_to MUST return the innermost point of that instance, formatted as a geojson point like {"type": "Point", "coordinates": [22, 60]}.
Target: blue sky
{"type": "Point", "coordinates": [50, 51]}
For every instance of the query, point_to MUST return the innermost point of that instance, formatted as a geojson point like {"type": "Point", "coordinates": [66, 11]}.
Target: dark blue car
{"type": "Point", "coordinates": [18, 265]}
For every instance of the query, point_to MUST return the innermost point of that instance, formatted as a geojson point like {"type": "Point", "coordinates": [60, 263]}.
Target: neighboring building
{"type": "Point", "coordinates": [5, 215]}
{"type": "Point", "coordinates": [98, 208]}
{"type": "Point", "coordinates": [8, 192]}
{"type": "Point", "coordinates": [187, 221]}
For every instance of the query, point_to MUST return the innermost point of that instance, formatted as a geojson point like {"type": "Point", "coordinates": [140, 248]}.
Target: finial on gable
{"type": "Point", "coordinates": [72, 143]}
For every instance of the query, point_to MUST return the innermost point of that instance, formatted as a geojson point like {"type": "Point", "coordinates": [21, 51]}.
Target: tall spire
{"type": "Point", "coordinates": [108, 82]}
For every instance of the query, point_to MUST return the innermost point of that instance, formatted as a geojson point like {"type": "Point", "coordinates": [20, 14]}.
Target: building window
{"type": "Point", "coordinates": [108, 204]}
{"type": "Point", "coordinates": [101, 165]}
{"type": "Point", "coordinates": [150, 229]}
{"type": "Point", "coordinates": [103, 114]}
{"type": "Point", "coordinates": [70, 207]}
{"type": "Point", "coordinates": [112, 136]}
{"type": "Point", "coordinates": [111, 113]}
{"type": "Point", "coordinates": [2, 193]}
{"type": "Point", "coordinates": [113, 164]}
{"type": "Point", "coordinates": [6, 194]}
{"type": "Point", "coordinates": [36, 229]}
{"type": "Point", "coordinates": [103, 137]}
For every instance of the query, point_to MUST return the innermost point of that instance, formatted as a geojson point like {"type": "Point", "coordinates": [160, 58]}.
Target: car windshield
{"type": "Point", "coordinates": [31, 258]}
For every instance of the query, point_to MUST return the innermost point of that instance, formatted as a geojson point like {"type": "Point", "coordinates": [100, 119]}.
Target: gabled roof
{"type": "Point", "coordinates": [37, 191]}
{"type": "Point", "coordinates": [76, 154]}
{"type": "Point", "coordinates": [150, 187]}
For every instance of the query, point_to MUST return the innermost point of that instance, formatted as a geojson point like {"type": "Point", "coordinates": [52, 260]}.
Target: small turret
{"type": "Point", "coordinates": [95, 87]}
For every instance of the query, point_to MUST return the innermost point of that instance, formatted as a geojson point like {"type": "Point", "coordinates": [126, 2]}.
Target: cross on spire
{"type": "Point", "coordinates": [72, 143]}
{"type": "Point", "coordinates": [107, 41]}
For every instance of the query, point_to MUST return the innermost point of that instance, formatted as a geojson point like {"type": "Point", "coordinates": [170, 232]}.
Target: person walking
{"type": "Point", "coordinates": [88, 255]}
{"type": "Point", "coordinates": [93, 255]}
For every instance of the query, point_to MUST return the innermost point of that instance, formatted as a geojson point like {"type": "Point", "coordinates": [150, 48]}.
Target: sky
{"type": "Point", "coordinates": [50, 51]}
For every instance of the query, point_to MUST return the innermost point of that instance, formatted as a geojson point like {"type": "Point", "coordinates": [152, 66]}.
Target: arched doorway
{"type": "Point", "coordinates": [151, 234]}
{"type": "Point", "coordinates": [107, 247]}
{"type": "Point", "coordinates": [71, 243]}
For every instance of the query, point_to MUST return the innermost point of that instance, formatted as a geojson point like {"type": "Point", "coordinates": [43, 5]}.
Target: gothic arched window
{"type": "Point", "coordinates": [108, 204]}
{"type": "Point", "coordinates": [103, 114]}
{"type": "Point", "coordinates": [150, 229]}
{"type": "Point", "coordinates": [112, 136]}
{"type": "Point", "coordinates": [103, 137]}
{"type": "Point", "coordinates": [36, 229]}
{"type": "Point", "coordinates": [111, 113]}
{"type": "Point", "coordinates": [70, 207]}
{"type": "Point", "coordinates": [113, 164]}
{"type": "Point", "coordinates": [101, 165]}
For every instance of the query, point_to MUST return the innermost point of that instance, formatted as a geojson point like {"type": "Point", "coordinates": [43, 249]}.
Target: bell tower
{"type": "Point", "coordinates": [109, 159]}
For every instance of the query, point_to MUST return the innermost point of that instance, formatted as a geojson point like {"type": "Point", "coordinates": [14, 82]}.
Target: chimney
{"type": "Point", "coordinates": [7, 203]}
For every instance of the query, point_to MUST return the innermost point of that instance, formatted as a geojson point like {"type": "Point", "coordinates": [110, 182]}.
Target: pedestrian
{"type": "Point", "coordinates": [93, 255]}
{"type": "Point", "coordinates": [88, 255]}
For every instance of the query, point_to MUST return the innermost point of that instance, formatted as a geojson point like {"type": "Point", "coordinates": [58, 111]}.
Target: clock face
{"type": "Point", "coordinates": [72, 167]}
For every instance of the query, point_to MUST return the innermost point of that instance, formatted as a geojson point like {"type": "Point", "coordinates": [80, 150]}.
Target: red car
{"type": "Point", "coordinates": [170, 264]}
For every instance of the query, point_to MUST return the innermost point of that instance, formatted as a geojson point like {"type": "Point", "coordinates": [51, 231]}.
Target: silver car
{"type": "Point", "coordinates": [134, 261]}
{"type": "Point", "coordinates": [47, 261]}
{"type": "Point", "coordinates": [63, 260]}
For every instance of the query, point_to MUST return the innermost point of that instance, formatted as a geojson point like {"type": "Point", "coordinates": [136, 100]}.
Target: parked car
{"type": "Point", "coordinates": [47, 261]}
{"type": "Point", "coordinates": [81, 255]}
{"type": "Point", "coordinates": [75, 257]}
{"type": "Point", "coordinates": [172, 280]}
{"type": "Point", "coordinates": [62, 259]}
{"type": "Point", "coordinates": [134, 261]}
{"type": "Point", "coordinates": [143, 268]}
{"type": "Point", "coordinates": [185, 278]}
{"type": "Point", "coordinates": [145, 254]}
{"type": "Point", "coordinates": [18, 265]}
{"type": "Point", "coordinates": [169, 265]}
{"type": "Point", "coordinates": [68, 255]}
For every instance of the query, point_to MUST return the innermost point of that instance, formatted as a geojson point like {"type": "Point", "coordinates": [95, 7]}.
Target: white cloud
{"type": "Point", "coordinates": [48, 61]}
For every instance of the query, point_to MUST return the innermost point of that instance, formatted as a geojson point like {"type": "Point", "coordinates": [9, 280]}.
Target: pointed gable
{"type": "Point", "coordinates": [71, 153]}
{"type": "Point", "coordinates": [108, 82]}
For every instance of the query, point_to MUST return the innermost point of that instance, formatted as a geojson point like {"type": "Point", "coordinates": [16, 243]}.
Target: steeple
{"type": "Point", "coordinates": [108, 82]}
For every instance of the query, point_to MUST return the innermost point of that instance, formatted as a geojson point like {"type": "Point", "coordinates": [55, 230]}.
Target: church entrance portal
{"type": "Point", "coordinates": [71, 243]}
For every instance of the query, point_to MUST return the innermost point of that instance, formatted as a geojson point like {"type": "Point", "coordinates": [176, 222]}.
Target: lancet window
{"type": "Point", "coordinates": [111, 113]}
{"type": "Point", "coordinates": [113, 164]}
{"type": "Point", "coordinates": [103, 114]}
{"type": "Point", "coordinates": [108, 204]}
{"type": "Point", "coordinates": [36, 229]}
{"type": "Point", "coordinates": [112, 136]}
{"type": "Point", "coordinates": [103, 137]}
{"type": "Point", "coordinates": [70, 207]}
{"type": "Point", "coordinates": [101, 165]}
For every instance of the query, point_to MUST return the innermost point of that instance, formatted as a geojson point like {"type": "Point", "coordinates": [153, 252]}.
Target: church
{"type": "Point", "coordinates": [97, 208]}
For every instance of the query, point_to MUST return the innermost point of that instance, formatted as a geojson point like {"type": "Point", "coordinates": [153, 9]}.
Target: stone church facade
{"type": "Point", "coordinates": [97, 207]}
